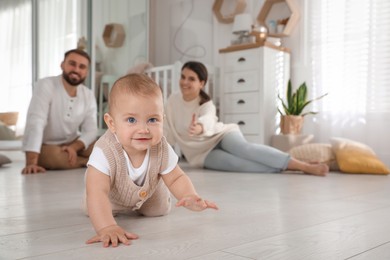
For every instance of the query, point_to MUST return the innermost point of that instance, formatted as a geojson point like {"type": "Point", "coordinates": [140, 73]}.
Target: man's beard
{"type": "Point", "coordinates": [72, 81]}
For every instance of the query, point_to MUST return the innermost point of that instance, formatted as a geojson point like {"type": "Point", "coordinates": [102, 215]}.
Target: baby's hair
{"type": "Point", "coordinates": [133, 84]}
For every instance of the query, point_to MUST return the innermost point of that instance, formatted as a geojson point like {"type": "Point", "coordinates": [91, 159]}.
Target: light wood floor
{"type": "Point", "coordinates": [261, 216]}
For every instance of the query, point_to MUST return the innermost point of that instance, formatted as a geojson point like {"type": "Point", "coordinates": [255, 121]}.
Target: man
{"type": "Point", "coordinates": [61, 122]}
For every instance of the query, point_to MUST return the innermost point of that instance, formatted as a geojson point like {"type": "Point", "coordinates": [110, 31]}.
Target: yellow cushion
{"type": "Point", "coordinates": [352, 160]}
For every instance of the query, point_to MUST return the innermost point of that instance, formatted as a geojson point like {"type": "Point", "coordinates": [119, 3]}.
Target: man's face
{"type": "Point", "coordinates": [75, 69]}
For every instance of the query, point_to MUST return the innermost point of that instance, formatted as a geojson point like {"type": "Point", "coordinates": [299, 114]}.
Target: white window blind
{"type": "Point", "coordinates": [350, 49]}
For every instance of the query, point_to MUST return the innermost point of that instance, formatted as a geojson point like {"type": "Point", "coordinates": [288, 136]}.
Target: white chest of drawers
{"type": "Point", "coordinates": [250, 82]}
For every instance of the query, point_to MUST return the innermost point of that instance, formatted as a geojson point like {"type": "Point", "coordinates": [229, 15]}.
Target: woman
{"type": "Point", "coordinates": [191, 123]}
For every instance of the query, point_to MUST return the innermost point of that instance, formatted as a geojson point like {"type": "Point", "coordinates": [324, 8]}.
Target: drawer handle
{"type": "Point", "coordinates": [241, 81]}
{"type": "Point", "coordinates": [241, 101]}
{"type": "Point", "coordinates": [241, 59]}
{"type": "Point", "coordinates": [241, 123]}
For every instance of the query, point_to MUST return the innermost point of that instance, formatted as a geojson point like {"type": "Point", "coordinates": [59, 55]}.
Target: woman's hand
{"type": "Point", "coordinates": [113, 235]}
{"type": "Point", "coordinates": [195, 128]}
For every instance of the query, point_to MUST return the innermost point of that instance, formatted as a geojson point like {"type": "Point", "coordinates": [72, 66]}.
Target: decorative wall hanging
{"type": "Point", "coordinates": [113, 35]}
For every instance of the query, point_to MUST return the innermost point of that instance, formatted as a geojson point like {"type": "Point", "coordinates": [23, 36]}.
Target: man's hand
{"type": "Point", "coordinates": [196, 203]}
{"type": "Point", "coordinates": [33, 168]}
{"type": "Point", "coordinates": [72, 154]}
{"type": "Point", "coordinates": [32, 163]}
{"type": "Point", "coordinates": [113, 235]}
{"type": "Point", "coordinates": [195, 128]}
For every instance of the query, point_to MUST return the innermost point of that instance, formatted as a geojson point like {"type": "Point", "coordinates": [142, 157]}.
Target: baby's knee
{"type": "Point", "coordinates": [156, 210]}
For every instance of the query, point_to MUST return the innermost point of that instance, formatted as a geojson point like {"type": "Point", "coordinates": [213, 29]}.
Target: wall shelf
{"type": "Point", "coordinates": [246, 46]}
{"type": "Point", "coordinates": [113, 35]}
{"type": "Point", "coordinates": [292, 21]}
{"type": "Point", "coordinates": [222, 17]}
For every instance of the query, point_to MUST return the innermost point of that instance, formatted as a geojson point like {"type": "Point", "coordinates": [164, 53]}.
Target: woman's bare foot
{"type": "Point", "coordinates": [318, 169]}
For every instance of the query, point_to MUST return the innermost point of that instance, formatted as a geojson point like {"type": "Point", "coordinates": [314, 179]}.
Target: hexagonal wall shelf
{"type": "Point", "coordinates": [228, 18]}
{"type": "Point", "coordinates": [113, 35]}
{"type": "Point", "coordinates": [292, 20]}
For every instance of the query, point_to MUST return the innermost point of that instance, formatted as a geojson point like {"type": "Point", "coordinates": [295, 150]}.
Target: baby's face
{"type": "Point", "coordinates": [138, 121]}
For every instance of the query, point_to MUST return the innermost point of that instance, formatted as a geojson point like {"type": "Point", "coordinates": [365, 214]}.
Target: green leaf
{"type": "Point", "coordinates": [289, 95]}
{"type": "Point", "coordinates": [297, 100]}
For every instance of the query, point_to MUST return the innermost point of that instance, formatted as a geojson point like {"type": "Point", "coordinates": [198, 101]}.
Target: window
{"type": "Point", "coordinates": [350, 59]}
{"type": "Point", "coordinates": [60, 25]}
{"type": "Point", "coordinates": [15, 53]}
{"type": "Point", "coordinates": [351, 54]}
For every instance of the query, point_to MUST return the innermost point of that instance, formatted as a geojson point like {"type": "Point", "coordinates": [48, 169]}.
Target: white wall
{"type": "Point", "coordinates": [297, 43]}
{"type": "Point", "coordinates": [201, 28]}
{"type": "Point", "coordinates": [183, 30]}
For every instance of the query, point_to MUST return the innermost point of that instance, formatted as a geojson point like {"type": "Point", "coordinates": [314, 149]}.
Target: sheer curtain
{"type": "Point", "coordinates": [350, 59]}
{"type": "Point", "coordinates": [15, 53]}
{"type": "Point", "coordinates": [60, 24]}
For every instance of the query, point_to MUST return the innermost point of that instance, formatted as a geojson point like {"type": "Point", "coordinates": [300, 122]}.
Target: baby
{"type": "Point", "coordinates": [132, 166]}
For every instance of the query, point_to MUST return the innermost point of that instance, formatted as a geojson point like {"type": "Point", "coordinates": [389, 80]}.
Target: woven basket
{"type": "Point", "coordinates": [9, 118]}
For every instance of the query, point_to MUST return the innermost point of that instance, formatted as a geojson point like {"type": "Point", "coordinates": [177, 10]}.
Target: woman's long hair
{"type": "Point", "coordinates": [201, 71]}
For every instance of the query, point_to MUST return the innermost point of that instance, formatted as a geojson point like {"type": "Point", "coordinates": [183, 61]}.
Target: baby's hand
{"type": "Point", "coordinates": [195, 203]}
{"type": "Point", "coordinates": [112, 234]}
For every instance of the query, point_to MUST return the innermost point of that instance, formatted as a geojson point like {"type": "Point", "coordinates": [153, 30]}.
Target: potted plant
{"type": "Point", "coordinates": [291, 120]}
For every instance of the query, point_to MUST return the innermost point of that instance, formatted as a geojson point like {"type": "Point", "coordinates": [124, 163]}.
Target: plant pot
{"type": "Point", "coordinates": [291, 125]}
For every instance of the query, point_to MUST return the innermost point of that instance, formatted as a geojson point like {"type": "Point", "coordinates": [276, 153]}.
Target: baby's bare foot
{"type": "Point", "coordinates": [318, 169]}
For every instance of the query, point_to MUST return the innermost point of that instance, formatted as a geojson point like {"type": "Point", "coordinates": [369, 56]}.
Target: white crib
{"type": "Point", "coordinates": [167, 77]}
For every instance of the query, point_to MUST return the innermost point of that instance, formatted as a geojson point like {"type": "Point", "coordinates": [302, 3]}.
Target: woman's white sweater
{"type": "Point", "coordinates": [178, 116]}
